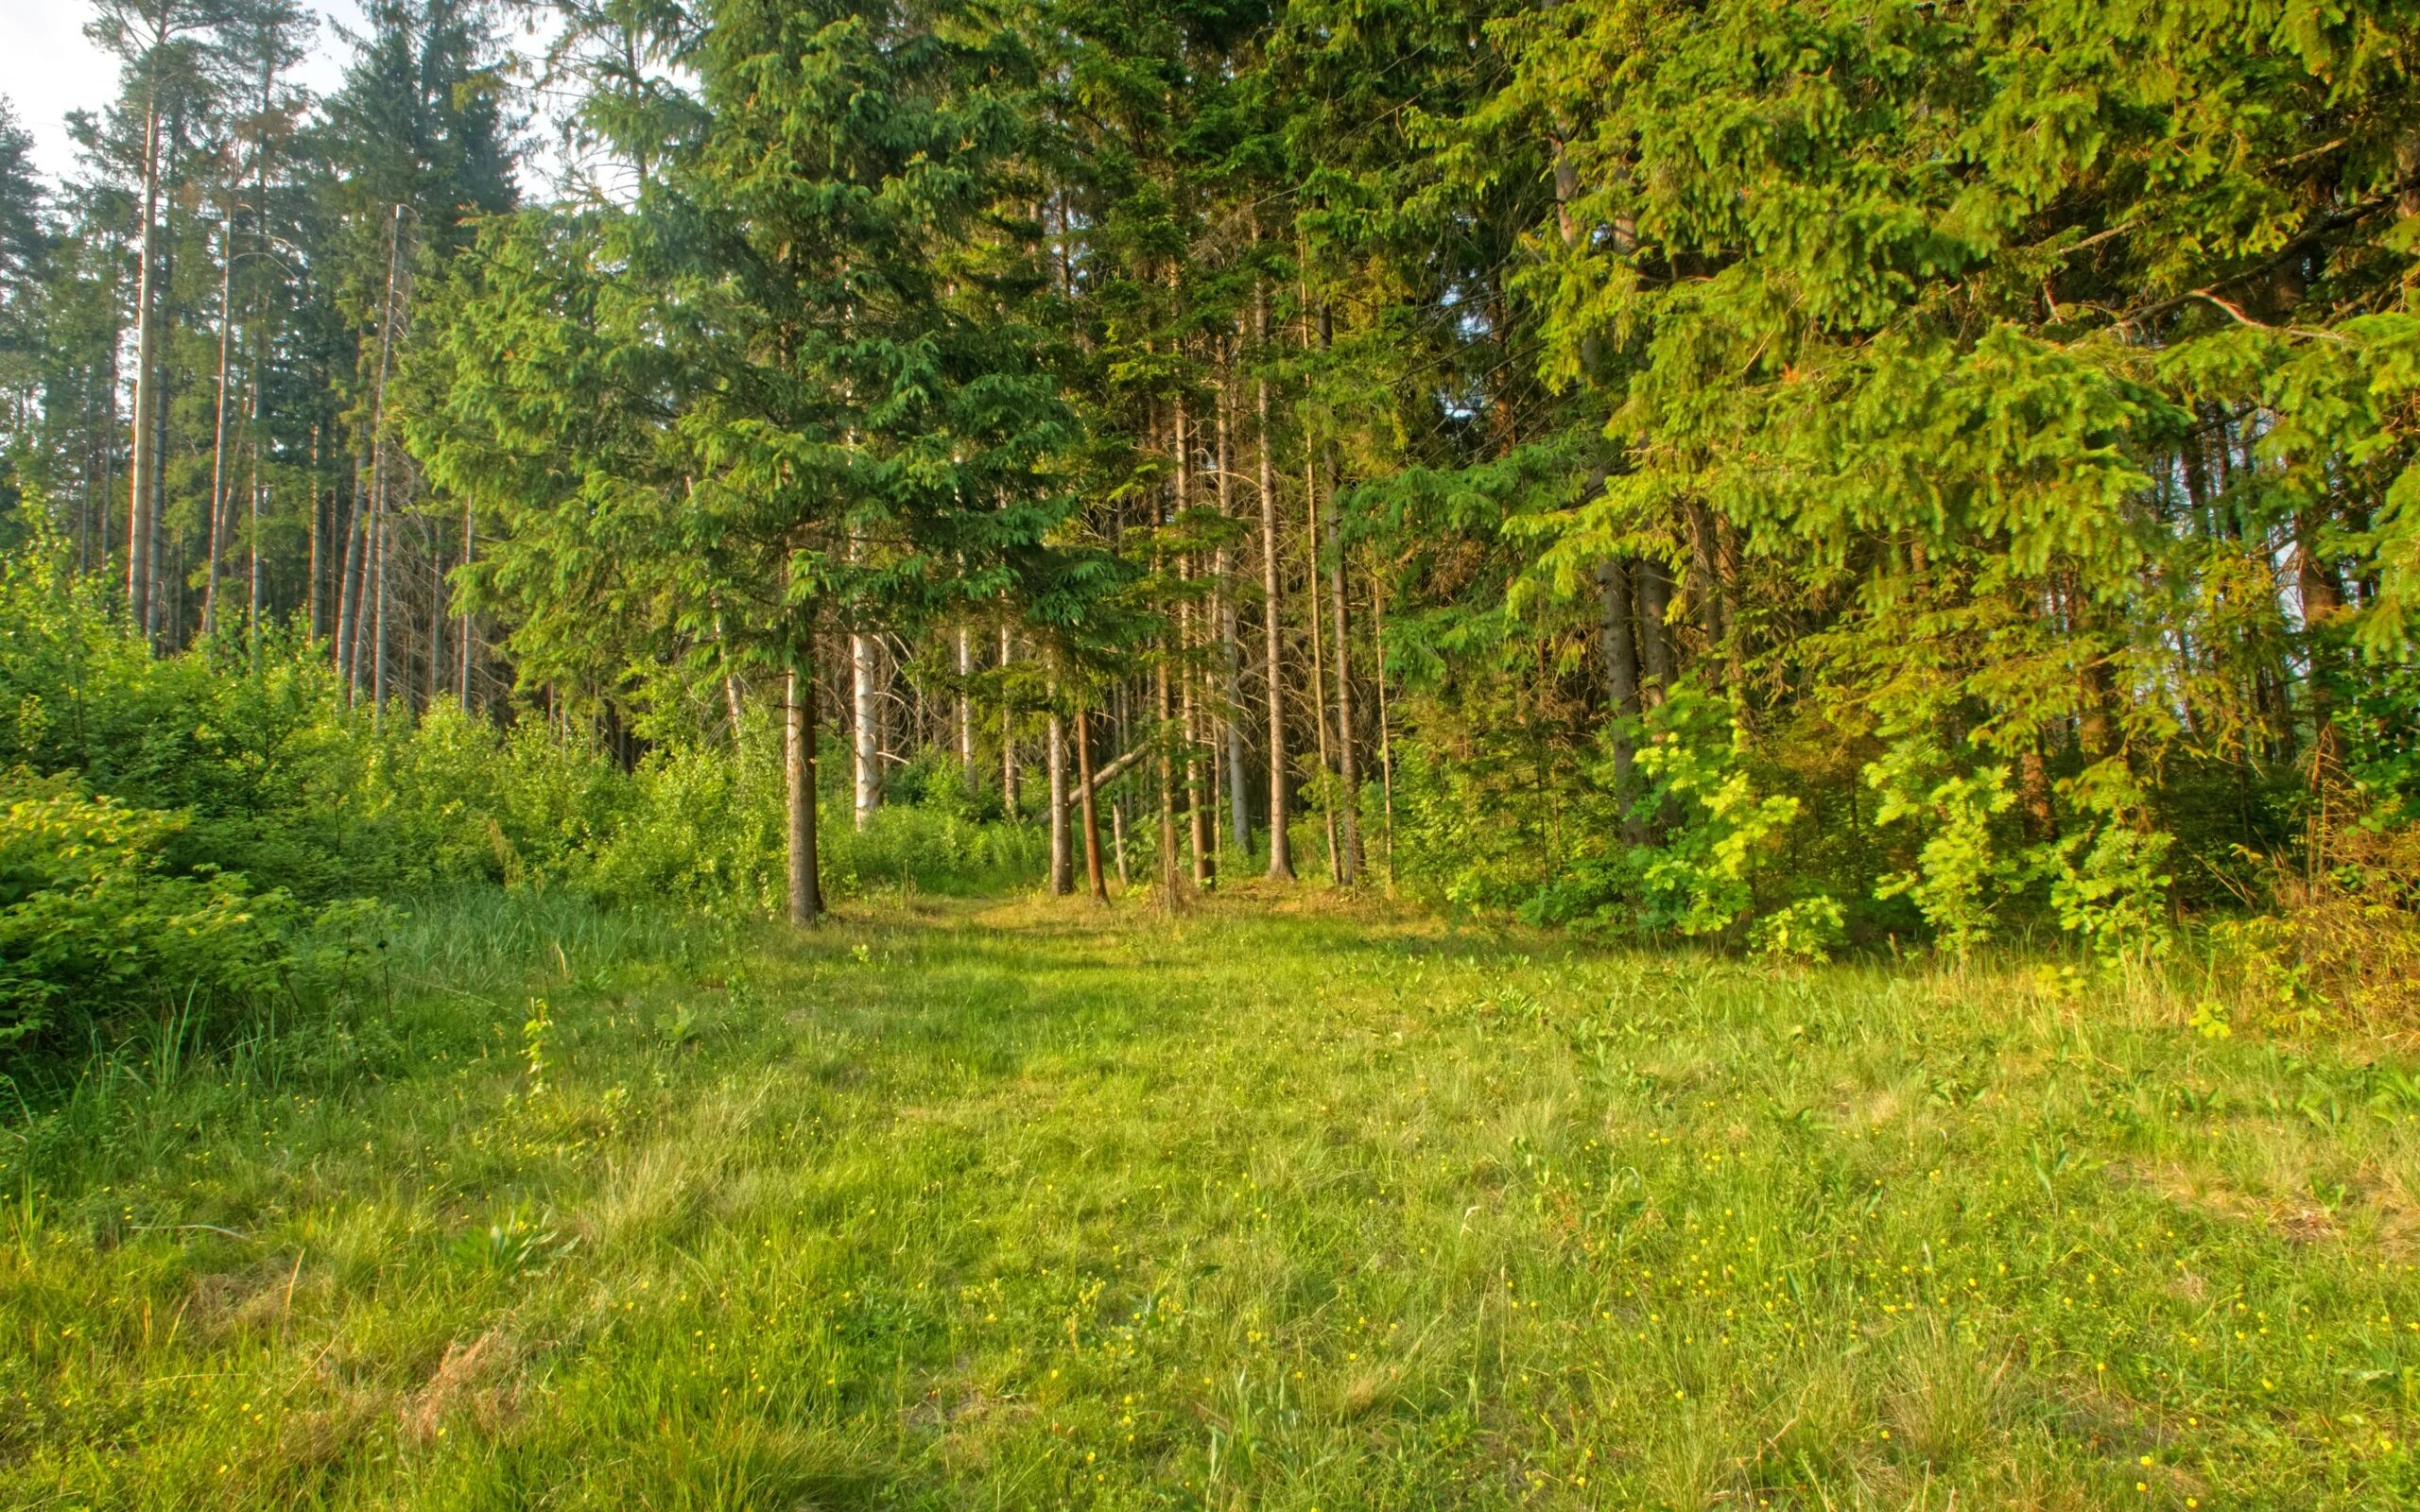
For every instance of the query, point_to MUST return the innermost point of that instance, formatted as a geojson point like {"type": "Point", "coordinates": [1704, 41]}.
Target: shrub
{"type": "Point", "coordinates": [94, 927]}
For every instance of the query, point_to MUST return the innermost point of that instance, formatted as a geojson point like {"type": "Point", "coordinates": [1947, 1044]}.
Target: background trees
{"type": "Point", "coordinates": [1737, 470]}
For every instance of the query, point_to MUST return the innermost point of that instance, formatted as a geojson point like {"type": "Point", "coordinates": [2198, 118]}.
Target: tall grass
{"type": "Point", "coordinates": [1306, 1205]}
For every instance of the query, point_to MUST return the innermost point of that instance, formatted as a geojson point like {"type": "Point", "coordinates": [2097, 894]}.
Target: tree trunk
{"type": "Point", "coordinates": [1386, 736]}
{"type": "Point", "coordinates": [2323, 600]}
{"type": "Point", "coordinates": [805, 888]}
{"type": "Point", "coordinates": [148, 295]}
{"type": "Point", "coordinates": [965, 708]}
{"type": "Point", "coordinates": [1348, 765]}
{"type": "Point", "coordinates": [313, 590]}
{"type": "Point", "coordinates": [218, 438]}
{"type": "Point", "coordinates": [156, 580]}
{"type": "Point", "coordinates": [381, 540]}
{"type": "Point", "coordinates": [355, 573]}
{"type": "Point", "coordinates": [470, 552]}
{"type": "Point", "coordinates": [1223, 609]}
{"type": "Point", "coordinates": [1319, 653]}
{"type": "Point", "coordinates": [1622, 684]}
{"type": "Point", "coordinates": [1062, 861]}
{"type": "Point", "coordinates": [1092, 813]}
{"type": "Point", "coordinates": [865, 733]}
{"type": "Point", "coordinates": [1706, 587]}
{"type": "Point", "coordinates": [1654, 630]}
{"type": "Point", "coordinates": [1281, 849]}
{"type": "Point", "coordinates": [1008, 796]}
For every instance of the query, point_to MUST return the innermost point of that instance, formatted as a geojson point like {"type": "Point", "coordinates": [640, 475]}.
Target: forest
{"type": "Point", "coordinates": [946, 691]}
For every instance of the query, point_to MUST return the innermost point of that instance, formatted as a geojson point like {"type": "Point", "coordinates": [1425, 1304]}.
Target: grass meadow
{"type": "Point", "coordinates": [1284, 1204]}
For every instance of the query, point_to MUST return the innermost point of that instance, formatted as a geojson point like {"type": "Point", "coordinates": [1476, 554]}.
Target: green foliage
{"type": "Point", "coordinates": [94, 928]}
{"type": "Point", "coordinates": [2110, 889]}
{"type": "Point", "coordinates": [1717, 829]}
{"type": "Point", "coordinates": [1962, 868]}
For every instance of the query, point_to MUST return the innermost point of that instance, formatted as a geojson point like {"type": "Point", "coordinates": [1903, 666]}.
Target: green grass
{"type": "Point", "coordinates": [1281, 1206]}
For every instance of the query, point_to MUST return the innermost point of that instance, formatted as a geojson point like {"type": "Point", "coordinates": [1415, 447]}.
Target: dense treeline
{"type": "Point", "coordinates": [1770, 472]}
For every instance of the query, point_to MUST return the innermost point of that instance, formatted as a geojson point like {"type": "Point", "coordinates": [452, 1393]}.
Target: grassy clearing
{"type": "Point", "coordinates": [1017, 1205]}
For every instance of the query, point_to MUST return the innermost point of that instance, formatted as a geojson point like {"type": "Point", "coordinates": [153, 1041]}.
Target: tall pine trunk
{"type": "Point", "coordinates": [1348, 766]}
{"type": "Point", "coordinates": [1281, 849]}
{"type": "Point", "coordinates": [219, 437]}
{"type": "Point", "coordinates": [1223, 609]}
{"type": "Point", "coordinates": [148, 295]}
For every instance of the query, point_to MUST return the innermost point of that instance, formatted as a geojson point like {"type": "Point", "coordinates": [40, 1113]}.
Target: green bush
{"type": "Point", "coordinates": [94, 928]}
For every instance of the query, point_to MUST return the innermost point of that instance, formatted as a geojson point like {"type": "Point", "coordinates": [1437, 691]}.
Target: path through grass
{"type": "Point", "coordinates": [1020, 1206]}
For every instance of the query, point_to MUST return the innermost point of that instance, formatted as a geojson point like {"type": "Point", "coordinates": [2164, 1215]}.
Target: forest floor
{"type": "Point", "coordinates": [1283, 1204]}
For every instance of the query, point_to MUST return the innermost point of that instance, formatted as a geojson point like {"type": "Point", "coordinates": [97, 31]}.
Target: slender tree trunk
{"type": "Point", "coordinates": [2323, 600]}
{"type": "Point", "coordinates": [1386, 736]}
{"type": "Point", "coordinates": [470, 552]}
{"type": "Point", "coordinates": [965, 707]}
{"type": "Point", "coordinates": [314, 593]}
{"type": "Point", "coordinates": [805, 889]}
{"type": "Point", "coordinates": [1222, 609]}
{"type": "Point", "coordinates": [259, 495]}
{"type": "Point", "coordinates": [349, 580]}
{"type": "Point", "coordinates": [1348, 762]}
{"type": "Point", "coordinates": [350, 597]}
{"type": "Point", "coordinates": [148, 295]}
{"type": "Point", "coordinates": [380, 481]}
{"type": "Point", "coordinates": [1062, 861]}
{"type": "Point", "coordinates": [1092, 815]}
{"type": "Point", "coordinates": [1117, 829]}
{"type": "Point", "coordinates": [1008, 796]}
{"type": "Point", "coordinates": [218, 438]}
{"type": "Point", "coordinates": [1319, 653]}
{"type": "Point", "coordinates": [1281, 849]}
{"type": "Point", "coordinates": [865, 729]}
{"type": "Point", "coordinates": [381, 540]}
{"type": "Point", "coordinates": [1169, 858]}
{"type": "Point", "coordinates": [156, 580]}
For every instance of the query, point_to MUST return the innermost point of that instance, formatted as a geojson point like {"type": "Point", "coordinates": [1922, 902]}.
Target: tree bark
{"type": "Point", "coordinates": [1223, 609]}
{"type": "Point", "coordinates": [147, 293]}
{"type": "Point", "coordinates": [965, 707]}
{"type": "Point", "coordinates": [2323, 600]}
{"type": "Point", "coordinates": [1655, 631]}
{"type": "Point", "coordinates": [865, 733]}
{"type": "Point", "coordinates": [1009, 795]}
{"type": "Point", "coordinates": [1281, 849]}
{"type": "Point", "coordinates": [1062, 861]}
{"type": "Point", "coordinates": [218, 438]}
{"type": "Point", "coordinates": [1348, 764]}
{"type": "Point", "coordinates": [1092, 813]}
{"type": "Point", "coordinates": [806, 888]}
{"type": "Point", "coordinates": [1621, 682]}
{"type": "Point", "coordinates": [1319, 653]}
